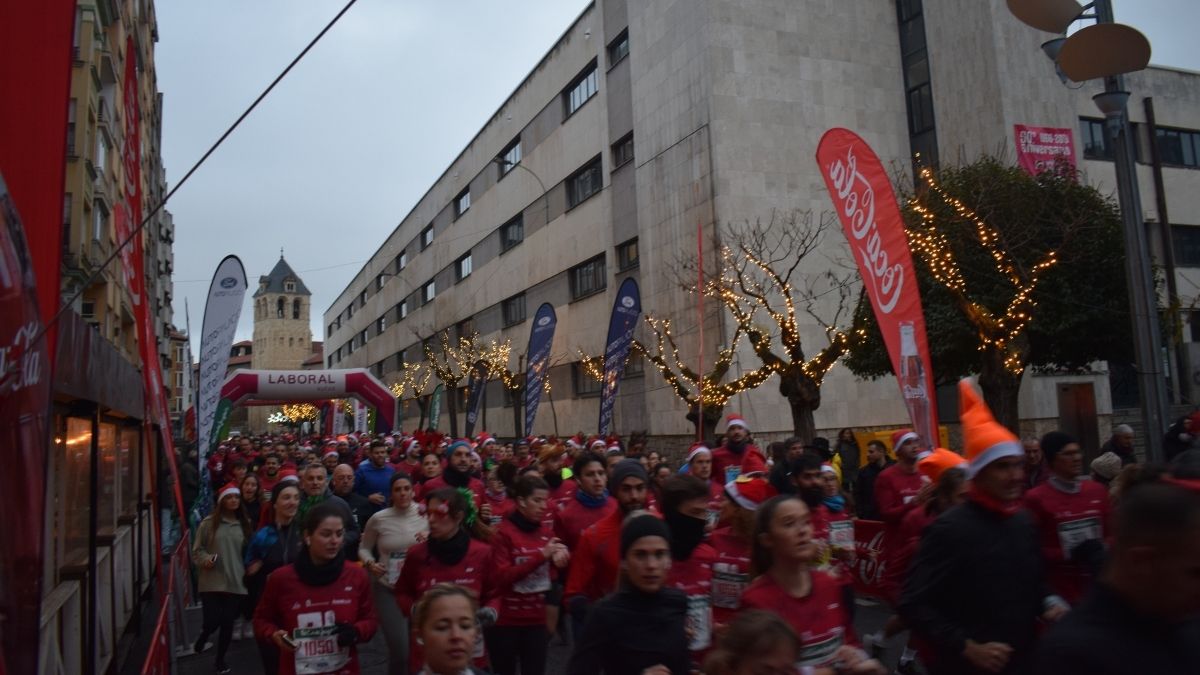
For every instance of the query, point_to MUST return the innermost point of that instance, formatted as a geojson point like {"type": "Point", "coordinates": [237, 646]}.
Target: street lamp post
{"type": "Point", "coordinates": [504, 163]}
{"type": "Point", "coordinates": [1109, 50]}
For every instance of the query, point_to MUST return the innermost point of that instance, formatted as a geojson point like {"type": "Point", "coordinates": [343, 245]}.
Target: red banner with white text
{"type": "Point", "coordinates": [863, 198]}
{"type": "Point", "coordinates": [866, 572]}
{"type": "Point", "coordinates": [1043, 148]}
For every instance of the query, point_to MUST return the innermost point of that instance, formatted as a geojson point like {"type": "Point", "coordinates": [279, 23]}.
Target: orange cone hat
{"type": "Point", "coordinates": [939, 462]}
{"type": "Point", "coordinates": [984, 439]}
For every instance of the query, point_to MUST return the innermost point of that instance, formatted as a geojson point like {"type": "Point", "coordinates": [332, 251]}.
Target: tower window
{"type": "Point", "coordinates": [289, 286]}
{"type": "Point", "coordinates": [296, 308]}
{"type": "Point", "coordinates": [279, 305]}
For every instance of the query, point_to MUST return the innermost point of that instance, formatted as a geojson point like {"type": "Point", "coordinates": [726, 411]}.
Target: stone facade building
{"type": "Point", "coordinates": [282, 338]}
{"type": "Point", "coordinates": [648, 121]}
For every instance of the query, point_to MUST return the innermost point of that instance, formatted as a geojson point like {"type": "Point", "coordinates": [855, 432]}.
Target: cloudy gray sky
{"type": "Point", "coordinates": [342, 149]}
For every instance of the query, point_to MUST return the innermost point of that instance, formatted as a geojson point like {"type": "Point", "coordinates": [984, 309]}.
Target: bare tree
{"type": "Point", "coordinates": [451, 365]}
{"type": "Point", "coordinates": [414, 380]}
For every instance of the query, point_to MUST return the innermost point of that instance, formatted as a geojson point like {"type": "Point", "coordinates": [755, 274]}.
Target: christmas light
{"type": "Point", "coordinates": [299, 412]}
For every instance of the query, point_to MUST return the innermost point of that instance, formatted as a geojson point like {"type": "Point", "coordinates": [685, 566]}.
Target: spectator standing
{"type": "Point", "coordinates": [851, 456]}
{"type": "Point", "coordinates": [1121, 444]}
{"type": "Point", "coordinates": [1036, 471]}
{"type": "Point", "coordinates": [1105, 469]}
{"type": "Point", "coordinates": [864, 488]}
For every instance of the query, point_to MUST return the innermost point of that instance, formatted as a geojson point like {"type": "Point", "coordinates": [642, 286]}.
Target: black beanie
{"type": "Point", "coordinates": [645, 525]}
{"type": "Point", "coordinates": [624, 469]}
{"type": "Point", "coordinates": [1054, 442]}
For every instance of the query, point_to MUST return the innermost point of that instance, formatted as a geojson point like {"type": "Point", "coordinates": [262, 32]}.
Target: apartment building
{"type": "Point", "coordinates": [649, 120]}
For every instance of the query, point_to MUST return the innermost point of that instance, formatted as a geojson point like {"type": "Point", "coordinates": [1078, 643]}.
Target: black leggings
{"type": "Point", "coordinates": [509, 645]}
{"type": "Point", "coordinates": [220, 612]}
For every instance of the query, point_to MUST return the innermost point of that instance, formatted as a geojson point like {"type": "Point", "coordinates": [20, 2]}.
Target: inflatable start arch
{"type": "Point", "coordinates": [270, 387]}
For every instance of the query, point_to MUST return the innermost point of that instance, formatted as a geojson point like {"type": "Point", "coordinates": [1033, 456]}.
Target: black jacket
{"type": "Point", "coordinates": [361, 507]}
{"type": "Point", "coordinates": [630, 631]}
{"type": "Point", "coordinates": [977, 575]}
{"type": "Point", "coordinates": [864, 491]}
{"type": "Point", "coordinates": [1105, 636]}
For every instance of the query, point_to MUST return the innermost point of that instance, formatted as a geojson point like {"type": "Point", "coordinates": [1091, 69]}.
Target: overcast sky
{"type": "Point", "coordinates": [350, 140]}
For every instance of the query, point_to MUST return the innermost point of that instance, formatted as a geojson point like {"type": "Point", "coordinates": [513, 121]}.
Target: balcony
{"type": "Point", "coordinates": [108, 68]}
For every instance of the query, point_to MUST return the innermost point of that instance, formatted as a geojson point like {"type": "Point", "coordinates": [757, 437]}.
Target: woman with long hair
{"type": "Point", "coordinates": [455, 552]}
{"type": "Point", "coordinates": [217, 552]}
{"type": "Point", "coordinates": [252, 497]}
{"type": "Point", "coordinates": [445, 627]}
{"type": "Point", "coordinates": [846, 447]}
{"type": "Point", "coordinates": [273, 546]}
{"type": "Point", "coordinates": [641, 628]}
{"type": "Point", "coordinates": [755, 643]}
{"type": "Point", "coordinates": [809, 600]}
{"type": "Point", "coordinates": [318, 608]}
{"type": "Point", "coordinates": [524, 549]}
{"type": "Point", "coordinates": [384, 546]}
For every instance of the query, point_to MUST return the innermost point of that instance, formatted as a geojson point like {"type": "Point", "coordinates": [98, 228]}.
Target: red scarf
{"type": "Point", "coordinates": [1000, 508]}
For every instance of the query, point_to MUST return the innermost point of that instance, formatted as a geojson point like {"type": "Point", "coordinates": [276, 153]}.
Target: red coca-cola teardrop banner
{"type": "Point", "coordinates": [866, 204]}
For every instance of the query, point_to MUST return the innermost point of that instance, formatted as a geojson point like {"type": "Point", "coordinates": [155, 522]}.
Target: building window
{"type": "Point", "coordinates": [583, 384]}
{"type": "Point", "coordinates": [588, 278]}
{"type": "Point", "coordinates": [510, 157]}
{"type": "Point", "coordinates": [627, 255]}
{"type": "Point", "coordinates": [584, 183]}
{"type": "Point", "coordinates": [622, 151]}
{"type": "Point", "coordinates": [379, 283]}
{"type": "Point", "coordinates": [296, 308]}
{"type": "Point", "coordinates": [618, 48]}
{"type": "Point", "coordinates": [513, 310]}
{"type": "Point", "coordinates": [1186, 239]}
{"type": "Point", "coordinates": [1178, 147]}
{"type": "Point", "coordinates": [349, 347]}
{"type": "Point", "coordinates": [462, 267]}
{"type": "Point", "coordinates": [362, 298]}
{"type": "Point", "coordinates": [289, 286]}
{"type": "Point", "coordinates": [402, 358]}
{"type": "Point", "coordinates": [582, 88]}
{"type": "Point", "coordinates": [402, 309]}
{"type": "Point", "coordinates": [71, 128]}
{"type": "Point", "coordinates": [280, 303]}
{"type": "Point", "coordinates": [339, 354]}
{"type": "Point", "coordinates": [99, 222]}
{"type": "Point", "coordinates": [920, 108]}
{"type": "Point", "coordinates": [428, 292]}
{"type": "Point", "coordinates": [512, 233]}
{"type": "Point", "coordinates": [381, 325]}
{"type": "Point", "coordinates": [464, 328]}
{"type": "Point", "coordinates": [1094, 139]}
{"type": "Point", "coordinates": [402, 260]}
{"type": "Point", "coordinates": [329, 330]}
{"type": "Point", "coordinates": [462, 202]}
{"type": "Point", "coordinates": [362, 338]}
{"type": "Point", "coordinates": [426, 237]}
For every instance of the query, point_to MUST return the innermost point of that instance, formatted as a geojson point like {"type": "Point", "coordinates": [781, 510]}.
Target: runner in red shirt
{"type": "Point", "coordinates": [524, 549]}
{"type": "Point", "coordinates": [899, 489]}
{"type": "Point", "coordinates": [550, 460]}
{"type": "Point", "coordinates": [684, 506]}
{"type": "Point", "coordinates": [1069, 511]}
{"type": "Point", "coordinates": [738, 455]}
{"type": "Point", "coordinates": [731, 571]}
{"type": "Point", "coordinates": [321, 604]}
{"type": "Point", "coordinates": [699, 464]}
{"type": "Point", "coordinates": [810, 601]}
{"type": "Point", "coordinates": [590, 503]}
{"type": "Point", "coordinates": [269, 476]}
{"type": "Point", "coordinates": [496, 498]}
{"type": "Point", "coordinates": [454, 554]}
{"type": "Point", "coordinates": [595, 560]}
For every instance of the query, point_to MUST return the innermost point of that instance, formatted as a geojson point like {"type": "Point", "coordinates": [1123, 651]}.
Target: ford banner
{"type": "Point", "coordinates": [626, 310]}
{"type": "Point", "coordinates": [541, 337]}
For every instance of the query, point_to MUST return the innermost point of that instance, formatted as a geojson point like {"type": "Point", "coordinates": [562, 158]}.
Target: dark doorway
{"type": "Point", "coordinates": [1077, 416]}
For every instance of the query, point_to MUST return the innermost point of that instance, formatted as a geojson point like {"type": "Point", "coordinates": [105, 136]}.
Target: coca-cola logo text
{"type": "Point", "coordinates": [855, 197]}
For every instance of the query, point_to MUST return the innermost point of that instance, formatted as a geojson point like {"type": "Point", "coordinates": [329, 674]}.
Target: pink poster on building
{"type": "Point", "coordinates": [1040, 148]}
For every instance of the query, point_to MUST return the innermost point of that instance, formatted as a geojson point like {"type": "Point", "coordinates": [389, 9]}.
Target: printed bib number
{"type": "Point", "coordinates": [699, 622]}
{"type": "Point", "coordinates": [537, 581]}
{"type": "Point", "coordinates": [1074, 532]}
{"type": "Point", "coordinates": [841, 534]}
{"type": "Point", "coordinates": [317, 651]}
{"type": "Point", "coordinates": [822, 651]}
{"type": "Point", "coordinates": [394, 566]}
{"type": "Point", "coordinates": [727, 586]}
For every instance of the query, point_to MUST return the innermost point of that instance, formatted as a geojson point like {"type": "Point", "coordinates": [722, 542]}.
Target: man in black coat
{"type": "Point", "coordinates": [864, 486]}
{"type": "Point", "coordinates": [1143, 615]}
{"type": "Point", "coordinates": [976, 588]}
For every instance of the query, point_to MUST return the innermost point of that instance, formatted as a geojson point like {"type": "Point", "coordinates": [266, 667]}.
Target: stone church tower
{"type": "Point", "coordinates": [282, 338]}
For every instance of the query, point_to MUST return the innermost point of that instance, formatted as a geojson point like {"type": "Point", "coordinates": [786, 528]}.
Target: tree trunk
{"type": "Point", "coordinates": [421, 418]}
{"type": "Point", "coordinates": [708, 426]}
{"type": "Point", "coordinates": [452, 408]}
{"type": "Point", "coordinates": [1001, 390]}
{"type": "Point", "coordinates": [518, 397]}
{"type": "Point", "coordinates": [804, 396]}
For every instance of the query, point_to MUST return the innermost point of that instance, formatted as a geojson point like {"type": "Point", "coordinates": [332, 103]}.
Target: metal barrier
{"type": "Point", "coordinates": [170, 631]}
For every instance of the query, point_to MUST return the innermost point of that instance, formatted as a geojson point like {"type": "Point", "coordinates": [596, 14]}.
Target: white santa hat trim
{"type": "Point", "coordinates": [732, 491]}
{"type": "Point", "coordinates": [700, 449]}
{"type": "Point", "coordinates": [229, 490]}
{"type": "Point", "coordinates": [904, 438]}
{"type": "Point", "coordinates": [736, 421]}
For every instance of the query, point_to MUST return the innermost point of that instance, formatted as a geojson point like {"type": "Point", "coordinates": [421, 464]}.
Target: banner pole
{"type": "Point", "coordinates": [700, 323]}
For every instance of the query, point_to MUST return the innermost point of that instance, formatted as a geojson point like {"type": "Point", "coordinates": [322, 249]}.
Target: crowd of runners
{"type": "Point", "coordinates": [472, 555]}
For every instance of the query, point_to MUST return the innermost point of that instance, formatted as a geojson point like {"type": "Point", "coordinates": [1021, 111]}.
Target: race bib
{"type": "Point", "coordinates": [1074, 532]}
{"type": "Point", "coordinates": [699, 622]}
{"type": "Point", "coordinates": [727, 586]}
{"type": "Point", "coordinates": [317, 651]}
{"type": "Point", "coordinates": [394, 565]}
{"type": "Point", "coordinates": [731, 473]}
{"type": "Point", "coordinates": [537, 581]}
{"type": "Point", "coordinates": [841, 534]}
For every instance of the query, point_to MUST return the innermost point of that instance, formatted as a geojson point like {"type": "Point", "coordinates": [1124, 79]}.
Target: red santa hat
{"type": "Point", "coordinates": [984, 439]}
{"type": "Point", "coordinates": [902, 436]}
{"type": "Point", "coordinates": [287, 475]}
{"type": "Point", "coordinates": [826, 467]}
{"type": "Point", "coordinates": [597, 441]}
{"type": "Point", "coordinates": [575, 442]}
{"type": "Point", "coordinates": [749, 492]}
{"type": "Point", "coordinates": [753, 461]}
{"type": "Point", "coordinates": [698, 449]}
{"type": "Point", "coordinates": [229, 489]}
{"type": "Point", "coordinates": [485, 438]}
{"type": "Point", "coordinates": [329, 453]}
{"type": "Point", "coordinates": [736, 420]}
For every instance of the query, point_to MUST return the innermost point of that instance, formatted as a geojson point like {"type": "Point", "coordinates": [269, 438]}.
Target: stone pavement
{"type": "Point", "coordinates": [243, 655]}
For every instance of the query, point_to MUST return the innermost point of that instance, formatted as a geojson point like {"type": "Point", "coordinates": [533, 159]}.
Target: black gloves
{"type": "Point", "coordinates": [347, 635]}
